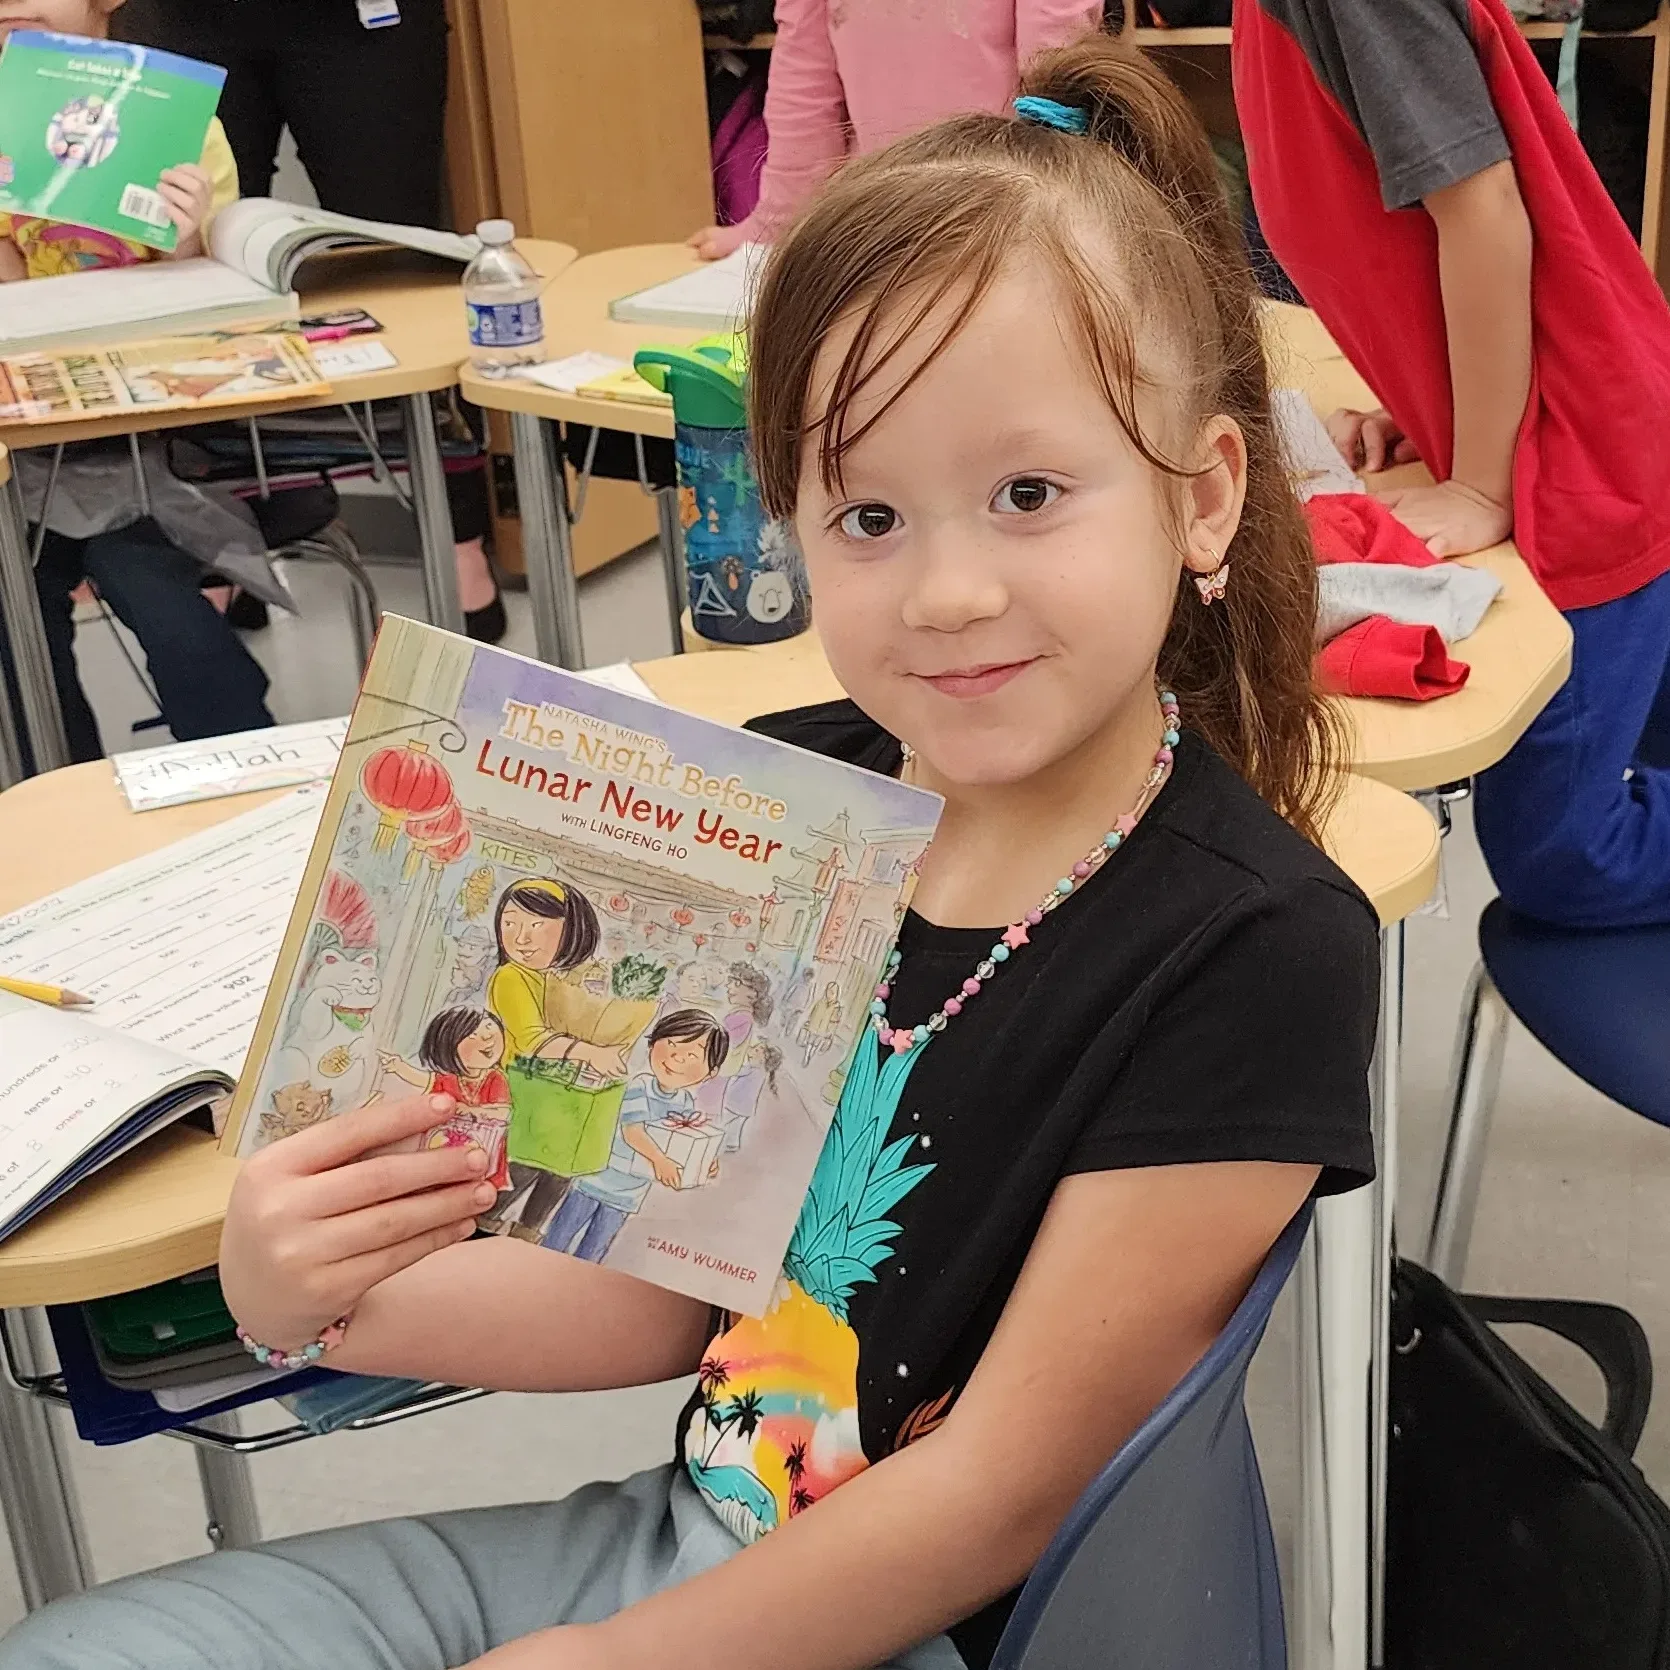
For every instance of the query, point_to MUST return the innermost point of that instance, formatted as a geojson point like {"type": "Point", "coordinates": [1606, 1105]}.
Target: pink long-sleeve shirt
{"type": "Point", "coordinates": [853, 75]}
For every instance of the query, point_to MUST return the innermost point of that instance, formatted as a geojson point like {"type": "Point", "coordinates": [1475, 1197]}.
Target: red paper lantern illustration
{"type": "Point", "coordinates": [450, 851]}
{"type": "Point", "coordinates": [750, 946]}
{"type": "Point", "coordinates": [699, 940]}
{"type": "Point", "coordinates": [619, 903]}
{"type": "Point", "coordinates": [439, 829]}
{"type": "Point", "coordinates": [768, 908]}
{"type": "Point", "coordinates": [740, 918]}
{"type": "Point", "coordinates": [684, 916]}
{"type": "Point", "coordinates": [403, 783]}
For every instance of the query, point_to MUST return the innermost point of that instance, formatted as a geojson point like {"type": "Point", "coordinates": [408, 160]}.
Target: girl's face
{"type": "Point", "coordinates": [484, 1048]}
{"type": "Point", "coordinates": [995, 580]}
{"type": "Point", "coordinates": [66, 17]}
{"type": "Point", "coordinates": [530, 940]}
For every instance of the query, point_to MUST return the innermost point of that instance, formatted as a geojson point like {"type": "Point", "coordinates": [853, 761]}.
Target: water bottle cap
{"type": "Point", "coordinates": [495, 232]}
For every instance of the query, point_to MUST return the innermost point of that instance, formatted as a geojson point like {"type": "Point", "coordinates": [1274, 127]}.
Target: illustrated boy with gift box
{"type": "Point", "coordinates": [661, 1137]}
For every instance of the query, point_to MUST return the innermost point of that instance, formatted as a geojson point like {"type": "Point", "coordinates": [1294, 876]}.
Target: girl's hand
{"type": "Point", "coordinates": [712, 243]}
{"type": "Point", "coordinates": [1370, 441]}
{"type": "Point", "coordinates": [189, 193]}
{"type": "Point", "coordinates": [611, 1063]}
{"type": "Point", "coordinates": [319, 1219]}
{"type": "Point", "coordinates": [1453, 520]}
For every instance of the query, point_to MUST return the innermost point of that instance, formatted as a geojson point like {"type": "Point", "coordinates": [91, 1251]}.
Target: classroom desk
{"type": "Point", "coordinates": [422, 313]}
{"type": "Point", "coordinates": [577, 319]}
{"type": "Point", "coordinates": [157, 1213]}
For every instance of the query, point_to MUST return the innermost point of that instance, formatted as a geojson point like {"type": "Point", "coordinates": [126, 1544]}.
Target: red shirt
{"type": "Point", "coordinates": [492, 1089]}
{"type": "Point", "coordinates": [1352, 111]}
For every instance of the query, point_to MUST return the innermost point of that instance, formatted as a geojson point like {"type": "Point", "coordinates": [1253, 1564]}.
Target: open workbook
{"type": "Point", "coordinates": [176, 950]}
{"type": "Point", "coordinates": [637, 947]}
{"type": "Point", "coordinates": [256, 249]}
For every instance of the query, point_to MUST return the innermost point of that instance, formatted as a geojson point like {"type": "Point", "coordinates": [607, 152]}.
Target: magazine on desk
{"type": "Point", "coordinates": [636, 946]}
{"type": "Point", "coordinates": [175, 949]}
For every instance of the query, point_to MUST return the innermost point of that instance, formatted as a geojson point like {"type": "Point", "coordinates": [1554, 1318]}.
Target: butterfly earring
{"type": "Point", "coordinates": [1213, 586]}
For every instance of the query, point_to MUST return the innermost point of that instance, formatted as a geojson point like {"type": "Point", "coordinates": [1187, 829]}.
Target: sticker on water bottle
{"type": "Point", "coordinates": [505, 324]}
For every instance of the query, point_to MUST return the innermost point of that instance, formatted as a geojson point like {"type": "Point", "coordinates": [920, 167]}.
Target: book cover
{"type": "Point", "coordinates": [174, 371]}
{"type": "Point", "coordinates": [88, 127]}
{"type": "Point", "coordinates": [637, 946]}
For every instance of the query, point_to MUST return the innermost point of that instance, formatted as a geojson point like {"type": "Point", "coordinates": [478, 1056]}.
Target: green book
{"type": "Point", "coordinates": [88, 127]}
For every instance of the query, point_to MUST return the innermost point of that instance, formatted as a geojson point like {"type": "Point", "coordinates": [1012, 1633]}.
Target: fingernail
{"type": "Point", "coordinates": [486, 1195]}
{"type": "Point", "coordinates": [478, 1160]}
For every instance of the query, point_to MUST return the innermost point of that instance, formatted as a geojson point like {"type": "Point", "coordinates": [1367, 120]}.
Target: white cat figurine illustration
{"type": "Point", "coordinates": [332, 1047]}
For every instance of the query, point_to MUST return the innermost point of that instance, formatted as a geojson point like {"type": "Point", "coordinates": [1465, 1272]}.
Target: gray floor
{"type": "Point", "coordinates": [1576, 1203]}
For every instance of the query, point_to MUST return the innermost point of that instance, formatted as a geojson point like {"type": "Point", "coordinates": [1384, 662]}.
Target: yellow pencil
{"type": "Point", "coordinates": [57, 996]}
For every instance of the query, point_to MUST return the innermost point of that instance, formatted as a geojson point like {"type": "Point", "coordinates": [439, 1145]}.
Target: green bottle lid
{"type": "Point", "coordinates": [707, 380]}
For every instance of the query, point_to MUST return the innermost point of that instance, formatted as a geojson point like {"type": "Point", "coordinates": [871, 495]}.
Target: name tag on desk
{"type": "Point", "coordinates": [378, 14]}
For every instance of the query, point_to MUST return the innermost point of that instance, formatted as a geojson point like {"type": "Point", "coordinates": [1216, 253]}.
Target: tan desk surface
{"type": "Point", "coordinates": [577, 318]}
{"type": "Point", "coordinates": [422, 314]}
{"type": "Point", "coordinates": [157, 1213]}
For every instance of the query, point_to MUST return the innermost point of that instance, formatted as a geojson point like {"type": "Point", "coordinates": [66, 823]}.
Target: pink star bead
{"type": "Point", "coordinates": [971, 988]}
{"type": "Point", "coordinates": [902, 1039]}
{"type": "Point", "coordinates": [953, 1005]}
{"type": "Point", "coordinates": [1014, 936]}
{"type": "Point", "coordinates": [1126, 825]}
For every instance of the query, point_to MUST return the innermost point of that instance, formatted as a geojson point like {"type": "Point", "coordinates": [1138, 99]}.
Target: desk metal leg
{"type": "Point", "coordinates": [37, 1492]}
{"type": "Point", "coordinates": [20, 617]}
{"type": "Point", "coordinates": [547, 545]}
{"type": "Point", "coordinates": [434, 516]}
{"type": "Point", "coordinates": [228, 1492]}
{"type": "Point", "coordinates": [1344, 1289]}
{"type": "Point", "coordinates": [670, 537]}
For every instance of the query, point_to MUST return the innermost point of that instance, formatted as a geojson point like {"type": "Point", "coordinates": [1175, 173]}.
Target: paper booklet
{"type": "Point", "coordinates": [256, 248]}
{"type": "Point", "coordinates": [274, 758]}
{"type": "Point", "coordinates": [176, 950]}
{"type": "Point", "coordinates": [171, 373]}
{"type": "Point", "coordinates": [716, 296]}
{"type": "Point", "coordinates": [87, 129]}
{"type": "Point", "coordinates": [636, 946]}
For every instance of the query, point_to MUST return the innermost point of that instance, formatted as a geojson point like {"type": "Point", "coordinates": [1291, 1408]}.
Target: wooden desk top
{"type": "Point", "coordinates": [577, 318]}
{"type": "Point", "coordinates": [157, 1213]}
{"type": "Point", "coordinates": [422, 314]}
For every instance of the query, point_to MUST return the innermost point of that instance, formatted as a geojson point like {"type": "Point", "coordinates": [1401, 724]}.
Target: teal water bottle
{"type": "Point", "coordinates": [743, 569]}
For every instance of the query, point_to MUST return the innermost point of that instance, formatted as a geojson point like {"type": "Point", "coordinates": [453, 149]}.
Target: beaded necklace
{"type": "Point", "coordinates": [902, 1038]}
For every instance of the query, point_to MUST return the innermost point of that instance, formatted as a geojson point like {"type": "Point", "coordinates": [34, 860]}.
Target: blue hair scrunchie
{"type": "Point", "coordinates": [1046, 113]}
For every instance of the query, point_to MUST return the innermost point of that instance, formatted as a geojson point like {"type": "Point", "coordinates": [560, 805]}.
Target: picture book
{"type": "Point", "coordinates": [87, 129]}
{"type": "Point", "coordinates": [176, 371]}
{"type": "Point", "coordinates": [175, 950]}
{"type": "Point", "coordinates": [636, 946]}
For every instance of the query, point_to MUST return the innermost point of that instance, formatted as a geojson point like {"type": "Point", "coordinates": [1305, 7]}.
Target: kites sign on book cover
{"type": "Point", "coordinates": [634, 946]}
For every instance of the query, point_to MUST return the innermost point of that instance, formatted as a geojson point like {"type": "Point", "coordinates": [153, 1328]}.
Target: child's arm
{"type": "Point", "coordinates": [1041, 24]}
{"type": "Point", "coordinates": [1484, 268]}
{"type": "Point", "coordinates": [806, 118]}
{"type": "Point", "coordinates": [12, 267]}
{"type": "Point", "coordinates": [404, 1070]}
{"type": "Point", "coordinates": [330, 1222]}
{"type": "Point", "coordinates": [668, 1172]}
{"type": "Point", "coordinates": [1130, 1278]}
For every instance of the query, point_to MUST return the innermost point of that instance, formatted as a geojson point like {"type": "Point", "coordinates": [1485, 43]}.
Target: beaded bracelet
{"type": "Point", "coordinates": [269, 1356]}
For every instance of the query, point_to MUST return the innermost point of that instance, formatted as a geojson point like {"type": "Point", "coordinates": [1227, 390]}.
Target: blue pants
{"type": "Point", "coordinates": [207, 682]}
{"type": "Point", "coordinates": [584, 1215]}
{"type": "Point", "coordinates": [1569, 838]}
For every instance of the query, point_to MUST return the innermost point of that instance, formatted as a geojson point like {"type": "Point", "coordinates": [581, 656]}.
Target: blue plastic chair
{"type": "Point", "coordinates": [1166, 1562]}
{"type": "Point", "coordinates": [1596, 1000]}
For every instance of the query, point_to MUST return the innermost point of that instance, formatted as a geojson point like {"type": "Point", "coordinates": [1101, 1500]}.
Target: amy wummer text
{"type": "Point", "coordinates": [627, 762]}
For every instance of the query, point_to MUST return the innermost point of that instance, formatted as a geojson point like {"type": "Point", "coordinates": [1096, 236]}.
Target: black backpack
{"type": "Point", "coordinates": [1519, 1536]}
{"type": "Point", "coordinates": [738, 20]}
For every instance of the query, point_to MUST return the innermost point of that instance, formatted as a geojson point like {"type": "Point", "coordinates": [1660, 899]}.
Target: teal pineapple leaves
{"type": "Point", "coordinates": [843, 1233]}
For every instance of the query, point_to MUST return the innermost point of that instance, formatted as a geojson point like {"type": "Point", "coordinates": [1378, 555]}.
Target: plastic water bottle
{"type": "Point", "coordinates": [501, 300]}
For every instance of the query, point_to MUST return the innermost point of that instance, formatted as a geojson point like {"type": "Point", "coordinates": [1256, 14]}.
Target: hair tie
{"type": "Point", "coordinates": [1046, 113]}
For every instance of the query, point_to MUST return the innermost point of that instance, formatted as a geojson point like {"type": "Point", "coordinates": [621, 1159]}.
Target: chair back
{"type": "Point", "coordinates": [1167, 1562]}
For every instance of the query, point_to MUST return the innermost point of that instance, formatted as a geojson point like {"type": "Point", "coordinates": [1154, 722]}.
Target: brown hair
{"type": "Point", "coordinates": [934, 218]}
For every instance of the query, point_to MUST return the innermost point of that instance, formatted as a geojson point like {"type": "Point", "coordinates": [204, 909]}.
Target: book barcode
{"type": "Point", "coordinates": [140, 204]}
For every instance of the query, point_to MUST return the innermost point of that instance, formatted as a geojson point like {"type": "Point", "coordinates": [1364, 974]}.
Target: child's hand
{"type": "Point", "coordinates": [714, 242]}
{"type": "Point", "coordinates": [189, 193]}
{"type": "Point", "coordinates": [668, 1172]}
{"type": "Point", "coordinates": [1453, 520]}
{"type": "Point", "coordinates": [713, 1172]}
{"type": "Point", "coordinates": [1370, 441]}
{"type": "Point", "coordinates": [12, 265]}
{"type": "Point", "coordinates": [317, 1220]}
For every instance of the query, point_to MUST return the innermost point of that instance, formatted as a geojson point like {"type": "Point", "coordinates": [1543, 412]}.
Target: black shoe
{"type": "Point", "coordinates": [487, 625]}
{"type": "Point", "coordinates": [246, 612]}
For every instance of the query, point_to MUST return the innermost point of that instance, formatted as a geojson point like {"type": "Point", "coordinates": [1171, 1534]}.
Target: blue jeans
{"type": "Point", "coordinates": [596, 1223]}
{"type": "Point", "coordinates": [207, 682]}
{"type": "Point", "coordinates": [1568, 838]}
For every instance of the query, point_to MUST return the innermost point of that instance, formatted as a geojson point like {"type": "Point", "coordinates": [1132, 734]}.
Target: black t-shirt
{"type": "Point", "coordinates": [1209, 994]}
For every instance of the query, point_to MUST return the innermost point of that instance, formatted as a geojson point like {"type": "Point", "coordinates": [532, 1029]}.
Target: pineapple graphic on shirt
{"type": "Point", "coordinates": [778, 1422]}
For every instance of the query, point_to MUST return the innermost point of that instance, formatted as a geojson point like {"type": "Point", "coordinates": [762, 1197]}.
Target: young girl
{"type": "Point", "coordinates": [462, 1056]}
{"type": "Point", "coordinates": [1009, 384]}
{"type": "Point", "coordinates": [849, 76]}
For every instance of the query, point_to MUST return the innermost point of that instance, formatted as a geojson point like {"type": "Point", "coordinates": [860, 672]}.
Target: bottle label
{"type": "Point", "coordinates": [505, 324]}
